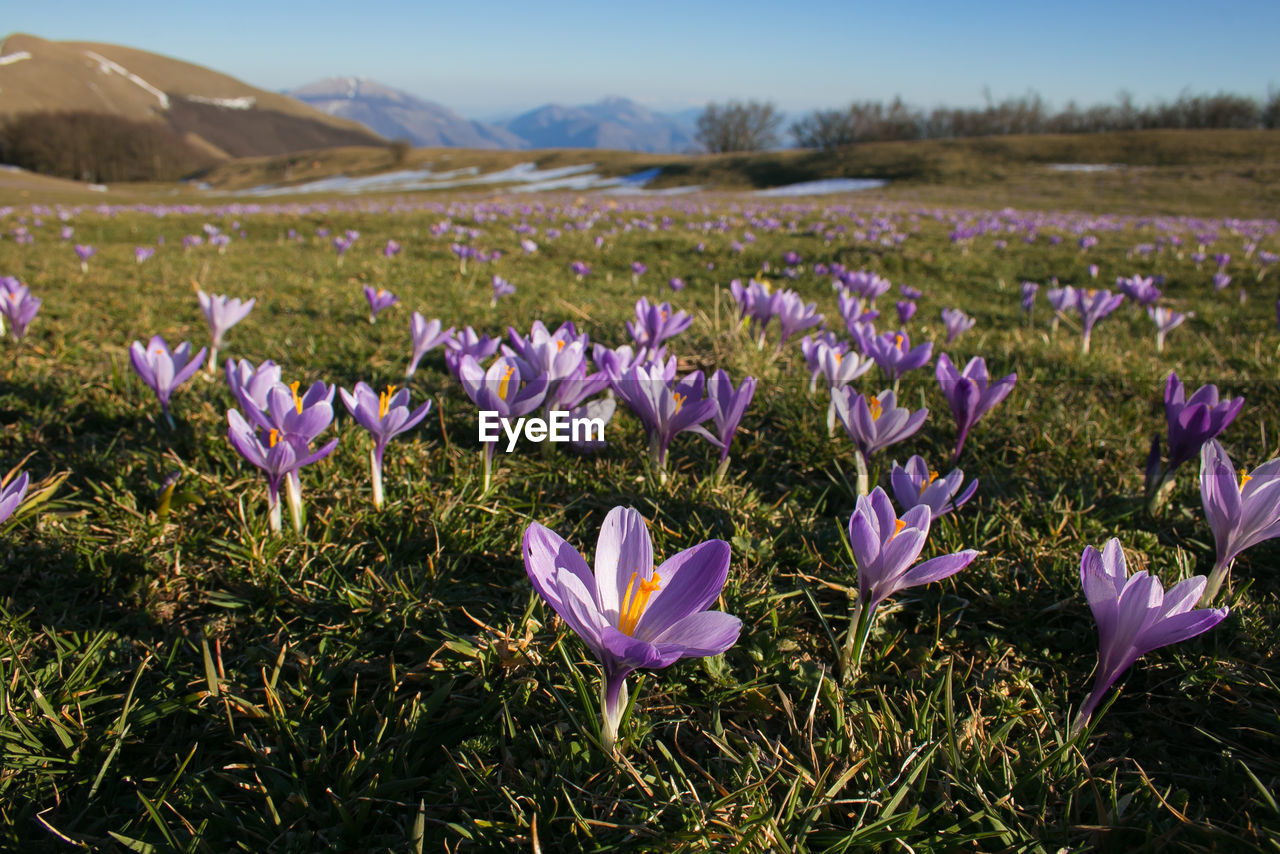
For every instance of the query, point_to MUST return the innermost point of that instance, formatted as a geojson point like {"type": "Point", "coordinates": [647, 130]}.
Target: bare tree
{"type": "Point", "coordinates": [735, 126]}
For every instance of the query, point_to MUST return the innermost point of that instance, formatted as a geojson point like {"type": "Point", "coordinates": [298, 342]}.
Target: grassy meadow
{"type": "Point", "coordinates": [181, 679]}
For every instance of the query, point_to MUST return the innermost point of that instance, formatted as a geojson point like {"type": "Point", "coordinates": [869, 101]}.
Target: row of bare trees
{"type": "Point", "coordinates": [754, 126]}
{"type": "Point", "coordinates": [95, 147]}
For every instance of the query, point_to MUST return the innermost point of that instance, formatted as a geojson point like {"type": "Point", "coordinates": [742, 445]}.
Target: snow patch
{"type": "Point", "coordinates": [15, 57]}
{"type": "Point", "coordinates": [243, 103]}
{"type": "Point", "coordinates": [106, 66]}
{"type": "Point", "coordinates": [824, 187]}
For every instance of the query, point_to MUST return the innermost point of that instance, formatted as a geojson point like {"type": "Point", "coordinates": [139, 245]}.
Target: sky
{"type": "Point", "coordinates": [488, 59]}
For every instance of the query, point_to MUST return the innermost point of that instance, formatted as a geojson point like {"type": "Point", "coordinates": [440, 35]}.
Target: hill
{"type": "Point", "coordinates": [398, 115]}
{"type": "Point", "coordinates": [218, 115]}
{"type": "Point", "coordinates": [615, 123]}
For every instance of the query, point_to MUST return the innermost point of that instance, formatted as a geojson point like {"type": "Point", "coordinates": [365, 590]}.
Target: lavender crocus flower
{"type": "Point", "coordinates": [385, 415]}
{"type": "Point", "coordinates": [811, 347]}
{"type": "Point", "coordinates": [1093, 306]}
{"type": "Point", "coordinates": [1135, 616]}
{"type": "Point", "coordinates": [580, 269]}
{"type": "Point", "coordinates": [18, 306]}
{"type": "Point", "coordinates": [1240, 513]}
{"type": "Point", "coordinates": [250, 385]}
{"type": "Point", "coordinates": [664, 410]}
{"type": "Point", "coordinates": [426, 335]}
{"type": "Point", "coordinates": [511, 387]}
{"type": "Point", "coordinates": [143, 253]}
{"type": "Point", "coordinates": [893, 352]}
{"type": "Point", "coordinates": [391, 250]}
{"type": "Point", "coordinates": [379, 299]}
{"type": "Point", "coordinates": [885, 549]}
{"type": "Point", "coordinates": [917, 484]}
{"type": "Point", "coordinates": [970, 394]}
{"type": "Point", "coordinates": [676, 284]}
{"type": "Point", "coordinates": [629, 614]}
{"type": "Point", "coordinates": [906, 311]}
{"type": "Point", "coordinates": [269, 451]}
{"type": "Point", "coordinates": [1063, 300]}
{"type": "Point", "coordinates": [164, 370]}
{"type": "Point", "coordinates": [874, 424]}
{"type": "Point", "coordinates": [956, 323]}
{"type": "Point", "coordinates": [1220, 281]}
{"type": "Point", "coordinates": [638, 269]}
{"type": "Point", "coordinates": [1029, 291]}
{"type": "Point", "coordinates": [1194, 421]}
{"type": "Point", "coordinates": [468, 343]}
{"type": "Point", "coordinates": [731, 404]}
{"type": "Point", "coordinates": [1165, 319]}
{"type": "Point", "coordinates": [11, 495]}
{"type": "Point", "coordinates": [1141, 290]}
{"type": "Point", "coordinates": [501, 288]}
{"type": "Point", "coordinates": [654, 324]}
{"type": "Point", "coordinates": [84, 253]}
{"type": "Point", "coordinates": [221, 313]}
{"type": "Point", "coordinates": [794, 315]}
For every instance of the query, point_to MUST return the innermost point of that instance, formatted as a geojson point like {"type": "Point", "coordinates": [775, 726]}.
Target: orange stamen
{"type": "Point", "coordinates": [899, 341]}
{"type": "Point", "coordinates": [933, 475]}
{"type": "Point", "coordinates": [897, 528]}
{"type": "Point", "coordinates": [506, 381]}
{"type": "Point", "coordinates": [634, 601]}
{"type": "Point", "coordinates": [1244, 478]}
{"type": "Point", "coordinates": [680, 399]}
{"type": "Point", "coordinates": [876, 409]}
{"type": "Point", "coordinates": [273, 438]}
{"type": "Point", "coordinates": [384, 402]}
{"type": "Point", "coordinates": [297, 400]}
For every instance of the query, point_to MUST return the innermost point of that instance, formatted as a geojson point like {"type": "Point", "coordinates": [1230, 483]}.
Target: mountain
{"type": "Point", "coordinates": [215, 113]}
{"type": "Point", "coordinates": [617, 123]}
{"type": "Point", "coordinates": [399, 115]}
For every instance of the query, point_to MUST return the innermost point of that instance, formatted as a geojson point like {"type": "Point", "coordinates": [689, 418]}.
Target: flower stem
{"type": "Point", "coordinates": [864, 479]}
{"type": "Point", "coordinates": [1216, 577]}
{"type": "Point", "coordinates": [375, 467]}
{"type": "Point", "coordinates": [611, 712]}
{"type": "Point", "coordinates": [293, 490]}
{"type": "Point", "coordinates": [855, 642]}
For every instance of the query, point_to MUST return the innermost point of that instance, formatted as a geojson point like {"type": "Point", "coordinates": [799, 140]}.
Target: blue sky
{"type": "Point", "coordinates": [486, 58]}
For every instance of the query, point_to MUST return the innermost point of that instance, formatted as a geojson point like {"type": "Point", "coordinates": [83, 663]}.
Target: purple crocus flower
{"type": "Point", "coordinates": [250, 385]}
{"type": "Point", "coordinates": [501, 288]}
{"type": "Point", "coordinates": [1194, 421]}
{"type": "Point", "coordinates": [1135, 616]}
{"type": "Point", "coordinates": [874, 424]}
{"type": "Point", "coordinates": [295, 418]}
{"type": "Point", "coordinates": [528, 246]}
{"type": "Point", "coordinates": [1141, 290]}
{"type": "Point", "coordinates": [892, 351]}
{"type": "Point", "coordinates": [1062, 299]}
{"type": "Point", "coordinates": [511, 388]}
{"type": "Point", "coordinates": [580, 269]}
{"type": "Point", "coordinates": [1093, 306]}
{"type": "Point", "coordinates": [638, 269]}
{"type": "Point", "coordinates": [385, 415]}
{"type": "Point", "coordinates": [269, 451]}
{"type": "Point", "coordinates": [468, 343]}
{"type": "Point", "coordinates": [391, 250]}
{"type": "Point", "coordinates": [1241, 513]}
{"type": "Point", "coordinates": [629, 614]}
{"type": "Point", "coordinates": [665, 410]}
{"type": "Point", "coordinates": [18, 306]}
{"type": "Point", "coordinates": [885, 549]}
{"type": "Point", "coordinates": [910, 293]}
{"type": "Point", "coordinates": [654, 324]}
{"type": "Point", "coordinates": [1220, 281]}
{"type": "Point", "coordinates": [164, 370]}
{"type": "Point", "coordinates": [379, 299]}
{"type": "Point", "coordinates": [756, 304]}
{"type": "Point", "coordinates": [906, 311]}
{"type": "Point", "coordinates": [676, 284]}
{"type": "Point", "coordinates": [143, 253]}
{"type": "Point", "coordinates": [811, 347]}
{"type": "Point", "coordinates": [956, 323]}
{"type": "Point", "coordinates": [731, 405]}
{"type": "Point", "coordinates": [427, 335]}
{"type": "Point", "coordinates": [1165, 319]}
{"type": "Point", "coordinates": [1029, 291]}
{"type": "Point", "coordinates": [84, 253]}
{"type": "Point", "coordinates": [917, 484]}
{"type": "Point", "coordinates": [221, 313]}
{"type": "Point", "coordinates": [970, 394]}
{"type": "Point", "coordinates": [11, 495]}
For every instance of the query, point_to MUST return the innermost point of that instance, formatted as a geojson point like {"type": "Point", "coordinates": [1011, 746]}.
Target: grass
{"type": "Point", "coordinates": [389, 681]}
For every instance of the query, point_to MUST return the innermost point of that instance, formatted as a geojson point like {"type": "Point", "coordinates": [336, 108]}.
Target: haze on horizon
{"type": "Point", "coordinates": [500, 58]}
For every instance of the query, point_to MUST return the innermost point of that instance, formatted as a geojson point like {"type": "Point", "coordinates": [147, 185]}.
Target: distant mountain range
{"type": "Point", "coordinates": [616, 123]}
{"type": "Point", "coordinates": [217, 115]}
